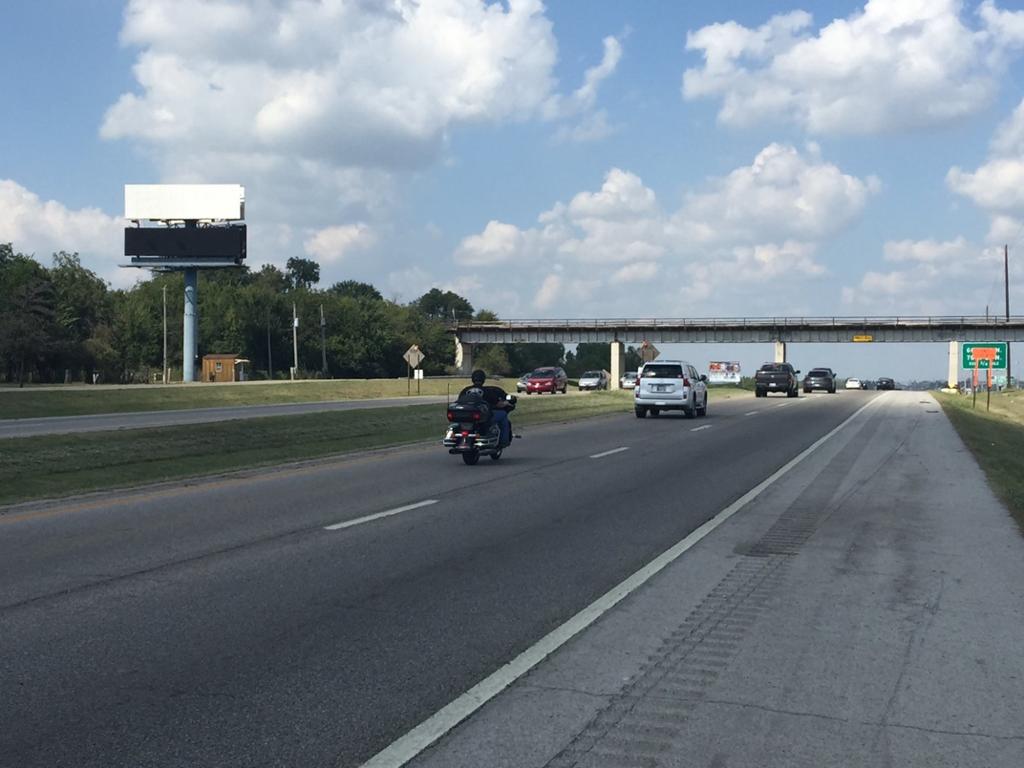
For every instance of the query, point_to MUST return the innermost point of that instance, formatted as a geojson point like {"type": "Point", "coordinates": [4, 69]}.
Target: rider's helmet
{"type": "Point", "coordinates": [478, 377]}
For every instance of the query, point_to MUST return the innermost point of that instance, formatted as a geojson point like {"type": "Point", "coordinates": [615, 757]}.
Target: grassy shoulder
{"type": "Point", "coordinates": [80, 401]}
{"type": "Point", "coordinates": [60, 465]}
{"type": "Point", "coordinates": [996, 438]}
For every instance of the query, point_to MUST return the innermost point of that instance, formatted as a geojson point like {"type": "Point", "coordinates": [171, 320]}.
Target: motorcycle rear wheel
{"type": "Point", "coordinates": [496, 455]}
{"type": "Point", "coordinates": [471, 457]}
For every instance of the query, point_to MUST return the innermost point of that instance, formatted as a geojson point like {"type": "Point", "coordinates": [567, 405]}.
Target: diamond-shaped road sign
{"type": "Point", "coordinates": [648, 352]}
{"type": "Point", "coordinates": [413, 356]}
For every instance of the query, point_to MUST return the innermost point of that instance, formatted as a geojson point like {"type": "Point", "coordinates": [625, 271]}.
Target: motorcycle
{"type": "Point", "coordinates": [473, 433]}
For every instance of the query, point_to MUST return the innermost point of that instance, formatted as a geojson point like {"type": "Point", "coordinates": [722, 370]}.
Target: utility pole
{"type": "Point", "coordinates": [1006, 286]}
{"type": "Point", "coordinates": [270, 350]}
{"type": "Point", "coordinates": [295, 342]}
{"type": "Point", "coordinates": [165, 334]}
{"type": "Point", "coordinates": [323, 339]}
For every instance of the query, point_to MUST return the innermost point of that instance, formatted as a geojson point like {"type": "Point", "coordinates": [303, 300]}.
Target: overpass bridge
{"type": "Point", "coordinates": [736, 330]}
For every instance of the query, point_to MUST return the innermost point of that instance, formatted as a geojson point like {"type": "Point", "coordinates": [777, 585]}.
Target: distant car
{"type": "Point", "coordinates": [628, 380]}
{"type": "Point", "coordinates": [521, 383]}
{"type": "Point", "coordinates": [547, 380]}
{"type": "Point", "coordinates": [776, 377]}
{"type": "Point", "coordinates": [886, 383]}
{"type": "Point", "coordinates": [670, 385]}
{"type": "Point", "coordinates": [820, 378]}
{"type": "Point", "coordinates": [593, 380]}
{"type": "Point", "coordinates": [852, 383]}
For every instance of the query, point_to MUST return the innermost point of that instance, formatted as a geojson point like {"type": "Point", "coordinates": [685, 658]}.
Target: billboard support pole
{"type": "Point", "coordinates": [188, 351]}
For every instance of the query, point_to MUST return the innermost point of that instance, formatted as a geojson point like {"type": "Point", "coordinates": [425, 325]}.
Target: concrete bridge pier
{"type": "Point", "coordinates": [618, 359]}
{"type": "Point", "coordinates": [780, 351]}
{"type": "Point", "coordinates": [953, 376]}
{"type": "Point", "coordinates": [463, 357]}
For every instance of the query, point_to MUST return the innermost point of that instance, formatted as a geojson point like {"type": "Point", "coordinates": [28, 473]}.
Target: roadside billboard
{"type": "Point", "coordinates": [720, 372]}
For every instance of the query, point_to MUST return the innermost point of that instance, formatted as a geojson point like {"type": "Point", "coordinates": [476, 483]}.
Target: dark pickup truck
{"type": "Point", "coordinates": [776, 377]}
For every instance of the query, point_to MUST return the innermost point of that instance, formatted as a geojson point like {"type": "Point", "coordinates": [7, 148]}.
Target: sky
{"type": "Point", "coordinates": [583, 160]}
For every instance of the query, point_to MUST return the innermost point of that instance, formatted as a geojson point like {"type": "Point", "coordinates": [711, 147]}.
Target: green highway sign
{"type": "Point", "coordinates": [967, 355]}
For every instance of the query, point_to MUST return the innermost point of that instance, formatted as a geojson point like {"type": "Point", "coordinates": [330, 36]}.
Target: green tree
{"type": "Point", "coordinates": [303, 273]}
{"type": "Point", "coordinates": [356, 290]}
{"type": "Point", "coordinates": [444, 305]}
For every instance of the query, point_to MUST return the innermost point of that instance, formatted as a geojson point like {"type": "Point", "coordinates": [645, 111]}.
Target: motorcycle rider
{"type": "Point", "coordinates": [495, 397]}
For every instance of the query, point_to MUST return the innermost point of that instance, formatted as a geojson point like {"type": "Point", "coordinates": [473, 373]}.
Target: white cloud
{"type": "Point", "coordinates": [997, 186]}
{"type": "Point", "coordinates": [931, 277]}
{"type": "Point", "coordinates": [895, 65]}
{"type": "Point", "coordinates": [548, 293]}
{"type": "Point", "coordinates": [499, 242]}
{"type": "Point", "coordinates": [757, 227]}
{"type": "Point", "coordinates": [783, 194]}
{"type": "Point", "coordinates": [333, 243]}
{"type": "Point", "coordinates": [42, 227]}
{"type": "Point", "coordinates": [640, 272]}
{"type": "Point", "coordinates": [337, 103]}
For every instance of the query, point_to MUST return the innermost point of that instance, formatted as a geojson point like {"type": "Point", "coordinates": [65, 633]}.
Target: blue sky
{"type": "Point", "coordinates": [548, 160]}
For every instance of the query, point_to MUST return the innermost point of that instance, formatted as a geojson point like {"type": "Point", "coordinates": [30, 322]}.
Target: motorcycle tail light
{"type": "Point", "coordinates": [476, 416]}
{"type": "Point", "coordinates": [451, 416]}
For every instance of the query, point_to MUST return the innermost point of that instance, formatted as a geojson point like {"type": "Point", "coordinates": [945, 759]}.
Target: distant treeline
{"type": "Point", "coordinates": [64, 323]}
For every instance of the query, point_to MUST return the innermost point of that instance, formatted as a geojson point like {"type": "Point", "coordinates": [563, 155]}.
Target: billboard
{"type": "Point", "coordinates": [723, 372]}
{"type": "Point", "coordinates": [186, 243]}
{"type": "Point", "coordinates": [184, 202]}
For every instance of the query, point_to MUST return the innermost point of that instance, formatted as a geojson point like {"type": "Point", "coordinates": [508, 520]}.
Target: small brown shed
{"type": "Point", "coordinates": [223, 368]}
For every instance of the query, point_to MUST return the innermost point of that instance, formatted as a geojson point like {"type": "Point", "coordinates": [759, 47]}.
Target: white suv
{"type": "Point", "coordinates": [670, 385]}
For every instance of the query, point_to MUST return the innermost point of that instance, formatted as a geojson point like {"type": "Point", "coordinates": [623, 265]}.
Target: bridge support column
{"type": "Point", "coordinates": [780, 351]}
{"type": "Point", "coordinates": [188, 346]}
{"type": "Point", "coordinates": [618, 358]}
{"type": "Point", "coordinates": [953, 376]}
{"type": "Point", "coordinates": [463, 357]}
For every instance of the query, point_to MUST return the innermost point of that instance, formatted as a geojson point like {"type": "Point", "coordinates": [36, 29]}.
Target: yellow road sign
{"type": "Point", "coordinates": [863, 337]}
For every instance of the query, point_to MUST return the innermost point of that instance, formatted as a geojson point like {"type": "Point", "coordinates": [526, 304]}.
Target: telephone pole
{"type": "Point", "coordinates": [1006, 286]}
{"type": "Point", "coordinates": [323, 339]}
{"type": "Point", "coordinates": [165, 335]}
{"type": "Point", "coordinates": [295, 343]}
{"type": "Point", "coordinates": [270, 351]}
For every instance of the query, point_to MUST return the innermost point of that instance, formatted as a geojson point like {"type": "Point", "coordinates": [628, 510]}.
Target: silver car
{"type": "Point", "coordinates": [670, 385]}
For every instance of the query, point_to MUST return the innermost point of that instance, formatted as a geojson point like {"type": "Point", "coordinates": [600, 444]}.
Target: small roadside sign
{"type": "Point", "coordinates": [417, 374]}
{"type": "Point", "coordinates": [414, 356]}
{"type": "Point", "coordinates": [648, 352]}
{"type": "Point", "coordinates": [982, 354]}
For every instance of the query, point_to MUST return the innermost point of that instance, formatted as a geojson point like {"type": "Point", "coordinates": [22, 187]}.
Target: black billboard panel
{"type": "Point", "coordinates": [186, 243]}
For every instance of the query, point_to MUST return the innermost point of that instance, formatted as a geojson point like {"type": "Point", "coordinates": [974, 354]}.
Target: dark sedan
{"type": "Point", "coordinates": [820, 378]}
{"type": "Point", "coordinates": [885, 383]}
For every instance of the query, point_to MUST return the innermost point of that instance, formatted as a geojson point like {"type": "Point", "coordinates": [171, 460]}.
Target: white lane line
{"type": "Point", "coordinates": [750, 413]}
{"type": "Point", "coordinates": [698, 429]}
{"type": "Point", "coordinates": [609, 453]}
{"type": "Point", "coordinates": [441, 722]}
{"type": "Point", "coordinates": [379, 515]}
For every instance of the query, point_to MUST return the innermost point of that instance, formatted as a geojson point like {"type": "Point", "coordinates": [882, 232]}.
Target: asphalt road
{"type": "Point", "coordinates": [104, 422]}
{"type": "Point", "coordinates": [220, 624]}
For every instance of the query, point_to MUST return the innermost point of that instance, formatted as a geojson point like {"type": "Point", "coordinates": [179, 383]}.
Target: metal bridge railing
{"type": "Point", "coordinates": [838, 321]}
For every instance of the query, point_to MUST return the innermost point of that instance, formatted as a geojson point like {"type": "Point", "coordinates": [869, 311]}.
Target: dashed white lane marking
{"type": "Point", "coordinates": [405, 748]}
{"type": "Point", "coordinates": [379, 515]}
{"type": "Point", "coordinates": [609, 453]}
{"type": "Point", "coordinates": [750, 413]}
{"type": "Point", "coordinates": [698, 429]}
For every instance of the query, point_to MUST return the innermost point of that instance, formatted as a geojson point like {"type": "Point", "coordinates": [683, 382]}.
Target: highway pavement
{"type": "Point", "coordinates": [104, 422]}
{"type": "Point", "coordinates": [312, 615]}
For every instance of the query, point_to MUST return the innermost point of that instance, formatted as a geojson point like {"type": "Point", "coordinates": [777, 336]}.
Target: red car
{"type": "Point", "coordinates": [547, 380]}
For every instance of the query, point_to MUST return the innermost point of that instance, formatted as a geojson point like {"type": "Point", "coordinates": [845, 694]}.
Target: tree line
{"type": "Point", "coordinates": [63, 323]}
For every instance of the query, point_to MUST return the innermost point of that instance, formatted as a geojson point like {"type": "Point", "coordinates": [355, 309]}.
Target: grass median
{"type": "Point", "coordinates": [996, 438]}
{"type": "Point", "coordinates": [83, 400]}
{"type": "Point", "coordinates": [60, 465]}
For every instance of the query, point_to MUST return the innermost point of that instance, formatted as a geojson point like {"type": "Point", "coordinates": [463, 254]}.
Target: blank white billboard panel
{"type": "Point", "coordinates": [164, 202]}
